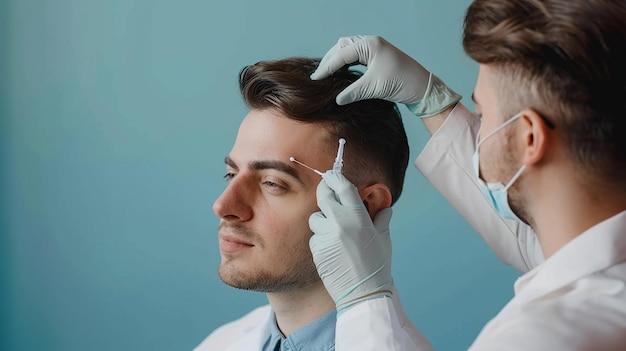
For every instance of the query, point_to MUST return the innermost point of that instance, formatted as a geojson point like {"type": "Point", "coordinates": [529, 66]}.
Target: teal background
{"type": "Point", "coordinates": [115, 118]}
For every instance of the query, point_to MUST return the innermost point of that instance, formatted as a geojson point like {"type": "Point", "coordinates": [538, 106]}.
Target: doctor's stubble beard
{"type": "Point", "coordinates": [514, 196]}
{"type": "Point", "coordinates": [299, 272]}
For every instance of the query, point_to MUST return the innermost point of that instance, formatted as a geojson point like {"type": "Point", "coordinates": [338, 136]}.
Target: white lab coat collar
{"type": "Point", "coordinates": [598, 248]}
{"type": "Point", "coordinates": [254, 338]}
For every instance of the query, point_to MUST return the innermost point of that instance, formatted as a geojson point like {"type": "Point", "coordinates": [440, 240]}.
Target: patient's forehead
{"type": "Point", "coordinates": [267, 133]}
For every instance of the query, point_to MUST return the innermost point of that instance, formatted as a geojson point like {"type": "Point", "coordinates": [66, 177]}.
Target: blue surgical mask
{"type": "Point", "coordinates": [497, 193]}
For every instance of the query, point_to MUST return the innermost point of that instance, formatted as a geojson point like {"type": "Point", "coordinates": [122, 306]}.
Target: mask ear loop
{"type": "Point", "coordinates": [509, 121]}
{"type": "Point", "coordinates": [517, 175]}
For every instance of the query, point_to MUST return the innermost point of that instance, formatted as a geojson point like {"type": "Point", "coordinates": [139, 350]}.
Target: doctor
{"type": "Point", "coordinates": [539, 171]}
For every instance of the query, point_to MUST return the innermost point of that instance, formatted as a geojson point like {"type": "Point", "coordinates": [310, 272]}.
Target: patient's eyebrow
{"type": "Point", "coordinates": [277, 165]}
{"type": "Point", "coordinates": [268, 164]}
{"type": "Point", "coordinates": [230, 163]}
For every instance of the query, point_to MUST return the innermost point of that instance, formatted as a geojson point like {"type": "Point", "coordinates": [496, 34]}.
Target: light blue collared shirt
{"type": "Point", "coordinates": [318, 335]}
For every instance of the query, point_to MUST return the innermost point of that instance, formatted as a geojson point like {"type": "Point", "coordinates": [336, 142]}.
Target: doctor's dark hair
{"type": "Point", "coordinates": [376, 151]}
{"type": "Point", "coordinates": [566, 60]}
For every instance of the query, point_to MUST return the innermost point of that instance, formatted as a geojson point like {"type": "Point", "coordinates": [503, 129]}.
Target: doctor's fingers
{"type": "Point", "coordinates": [319, 224]}
{"type": "Point", "coordinates": [382, 219]}
{"type": "Point", "coordinates": [344, 191]}
{"type": "Point", "coordinates": [327, 200]}
{"type": "Point", "coordinates": [345, 52]}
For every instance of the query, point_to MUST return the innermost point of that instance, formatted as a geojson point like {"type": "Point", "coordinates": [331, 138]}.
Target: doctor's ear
{"type": "Point", "coordinates": [375, 198]}
{"type": "Point", "coordinates": [536, 136]}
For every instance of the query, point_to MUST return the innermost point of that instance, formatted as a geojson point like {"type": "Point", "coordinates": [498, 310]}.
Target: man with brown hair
{"type": "Point", "coordinates": [264, 210]}
{"type": "Point", "coordinates": [539, 171]}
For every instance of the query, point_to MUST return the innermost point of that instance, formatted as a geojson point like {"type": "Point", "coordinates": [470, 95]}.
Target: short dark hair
{"type": "Point", "coordinates": [376, 150]}
{"type": "Point", "coordinates": [565, 59]}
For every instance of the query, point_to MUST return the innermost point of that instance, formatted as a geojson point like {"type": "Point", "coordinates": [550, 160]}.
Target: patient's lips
{"type": "Point", "coordinates": [230, 243]}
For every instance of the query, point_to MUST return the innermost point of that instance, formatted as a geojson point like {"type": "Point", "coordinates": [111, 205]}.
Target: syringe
{"type": "Point", "coordinates": [337, 166]}
{"type": "Point", "coordinates": [339, 159]}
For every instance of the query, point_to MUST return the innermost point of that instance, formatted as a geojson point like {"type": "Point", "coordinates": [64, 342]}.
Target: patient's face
{"type": "Point", "coordinates": [264, 210]}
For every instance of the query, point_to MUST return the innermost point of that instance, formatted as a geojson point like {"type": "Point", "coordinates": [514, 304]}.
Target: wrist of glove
{"type": "Point", "coordinates": [437, 98]}
{"type": "Point", "coordinates": [352, 253]}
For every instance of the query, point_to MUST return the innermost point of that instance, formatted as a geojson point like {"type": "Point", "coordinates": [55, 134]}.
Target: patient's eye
{"type": "Point", "coordinates": [274, 186]}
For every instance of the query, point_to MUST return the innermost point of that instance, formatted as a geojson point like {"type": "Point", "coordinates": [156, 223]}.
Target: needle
{"type": "Point", "coordinates": [292, 159]}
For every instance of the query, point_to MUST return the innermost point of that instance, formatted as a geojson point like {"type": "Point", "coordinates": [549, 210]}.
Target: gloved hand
{"type": "Point", "coordinates": [352, 254]}
{"type": "Point", "coordinates": [391, 75]}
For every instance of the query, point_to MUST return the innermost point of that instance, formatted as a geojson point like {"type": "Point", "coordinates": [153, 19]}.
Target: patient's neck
{"type": "Point", "coordinates": [295, 309]}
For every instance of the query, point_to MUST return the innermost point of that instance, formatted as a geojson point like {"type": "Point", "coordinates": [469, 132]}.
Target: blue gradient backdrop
{"type": "Point", "coordinates": [115, 118]}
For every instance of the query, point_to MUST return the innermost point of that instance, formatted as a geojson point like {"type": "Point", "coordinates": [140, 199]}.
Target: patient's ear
{"type": "Point", "coordinates": [375, 197]}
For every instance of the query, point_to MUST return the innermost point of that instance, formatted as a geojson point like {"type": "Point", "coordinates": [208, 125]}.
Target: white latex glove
{"type": "Point", "coordinates": [391, 75]}
{"type": "Point", "coordinates": [352, 254]}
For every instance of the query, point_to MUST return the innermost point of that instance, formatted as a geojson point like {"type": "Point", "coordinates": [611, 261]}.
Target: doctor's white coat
{"type": "Point", "coordinates": [575, 300]}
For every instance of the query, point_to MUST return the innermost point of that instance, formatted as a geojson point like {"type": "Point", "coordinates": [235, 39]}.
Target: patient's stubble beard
{"type": "Point", "coordinates": [280, 269]}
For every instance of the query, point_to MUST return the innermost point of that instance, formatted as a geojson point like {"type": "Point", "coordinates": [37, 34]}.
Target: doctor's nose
{"type": "Point", "coordinates": [233, 204]}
